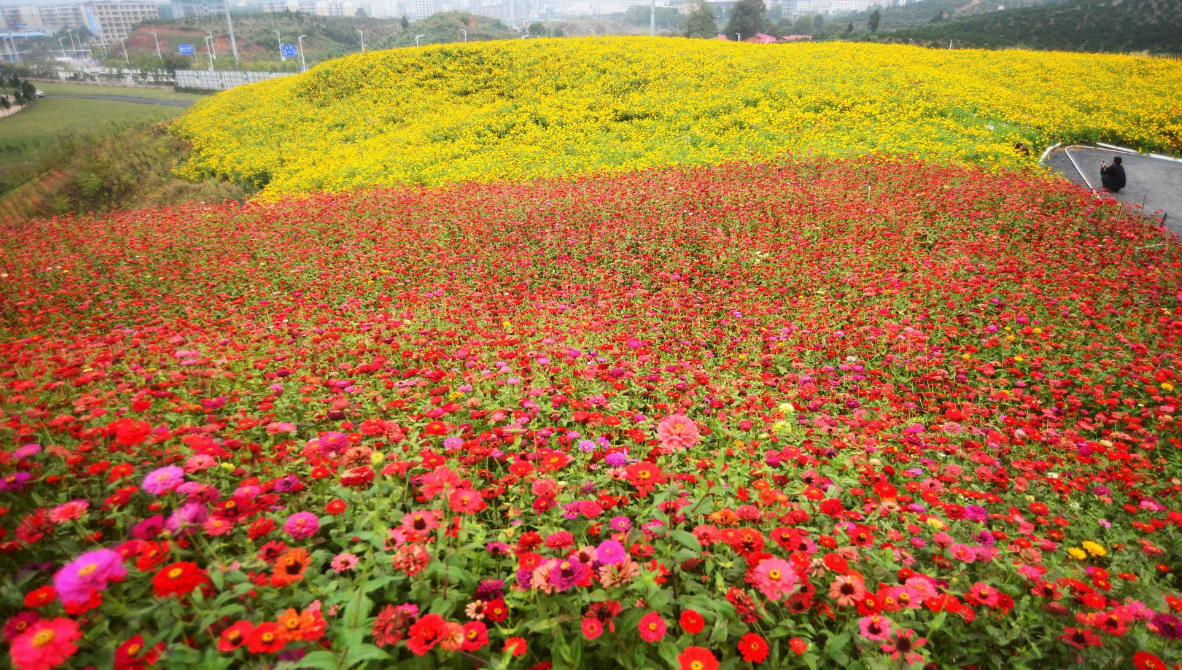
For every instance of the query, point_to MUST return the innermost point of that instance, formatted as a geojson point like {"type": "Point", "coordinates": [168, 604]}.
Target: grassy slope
{"type": "Point", "coordinates": [67, 88]}
{"type": "Point", "coordinates": [23, 135]}
{"type": "Point", "coordinates": [1080, 25]}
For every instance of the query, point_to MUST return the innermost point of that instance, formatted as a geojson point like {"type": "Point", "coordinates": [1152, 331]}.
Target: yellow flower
{"type": "Point", "coordinates": [935, 523]}
{"type": "Point", "coordinates": [1095, 549]}
{"type": "Point", "coordinates": [1167, 386]}
{"type": "Point", "coordinates": [518, 110]}
{"type": "Point", "coordinates": [1077, 553]}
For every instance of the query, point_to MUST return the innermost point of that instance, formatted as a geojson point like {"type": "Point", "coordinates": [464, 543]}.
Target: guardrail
{"type": "Point", "coordinates": [222, 80]}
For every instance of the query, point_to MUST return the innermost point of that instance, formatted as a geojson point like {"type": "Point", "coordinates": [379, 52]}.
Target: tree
{"type": "Point", "coordinates": [361, 13]}
{"type": "Point", "coordinates": [746, 19]}
{"type": "Point", "coordinates": [537, 30]}
{"type": "Point", "coordinates": [850, 28]}
{"type": "Point", "coordinates": [875, 19]}
{"type": "Point", "coordinates": [818, 21]}
{"type": "Point", "coordinates": [405, 23]}
{"type": "Point", "coordinates": [701, 22]}
{"type": "Point", "coordinates": [803, 26]}
{"type": "Point", "coordinates": [4, 103]}
{"type": "Point", "coordinates": [938, 18]}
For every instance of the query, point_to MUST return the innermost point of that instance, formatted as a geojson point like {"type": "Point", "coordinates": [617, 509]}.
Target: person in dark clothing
{"type": "Point", "coordinates": [1112, 177]}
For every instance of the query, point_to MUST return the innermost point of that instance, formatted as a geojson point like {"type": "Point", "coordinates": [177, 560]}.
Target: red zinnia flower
{"type": "Point", "coordinates": [178, 579]}
{"type": "Point", "coordinates": [697, 658]}
{"type": "Point", "coordinates": [475, 636]}
{"type": "Point", "coordinates": [235, 636]}
{"type": "Point", "coordinates": [424, 634]}
{"type": "Point", "coordinates": [266, 639]}
{"type": "Point", "coordinates": [692, 622]}
{"type": "Point", "coordinates": [1144, 660]}
{"type": "Point", "coordinates": [753, 648]}
{"type": "Point", "coordinates": [516, 645]}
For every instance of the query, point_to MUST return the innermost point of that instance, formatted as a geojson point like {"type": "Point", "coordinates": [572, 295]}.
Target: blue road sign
{"type": "Point", "coordinates": [288, 50]}
{"type": "Point", "coordinates": [185, 49]}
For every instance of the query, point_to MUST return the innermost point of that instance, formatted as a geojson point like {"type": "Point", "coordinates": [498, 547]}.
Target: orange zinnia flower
{"type": "Point", "coordinates": [290, 567]}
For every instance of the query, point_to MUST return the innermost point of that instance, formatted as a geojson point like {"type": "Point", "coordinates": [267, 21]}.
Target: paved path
{"type": "Point", "coordinates": [1153, 183]}
{"type": "Point", "coordinates": [129, 98]}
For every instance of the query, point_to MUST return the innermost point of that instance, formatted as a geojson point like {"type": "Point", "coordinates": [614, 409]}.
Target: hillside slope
{"type": "Point", "coordinates": [1079, 25]}
{"type": "Point", "coordinates": [925, 11]}
{"type": "Point", "coordinates": [522, 109]}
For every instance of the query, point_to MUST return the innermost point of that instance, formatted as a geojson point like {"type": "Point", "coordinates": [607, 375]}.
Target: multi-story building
{"type": "Point", "coordinates": [57, 17]}
{"type": "Point", "coordinates": [23, 17]}
{"type": "Point", "coordinates": [115, 20]}
{"type": "Point", "coordinates": [183, 8]}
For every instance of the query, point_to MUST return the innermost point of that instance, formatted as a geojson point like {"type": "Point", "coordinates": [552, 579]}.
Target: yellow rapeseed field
{"type": "Point", "coordinates": [529, 108]}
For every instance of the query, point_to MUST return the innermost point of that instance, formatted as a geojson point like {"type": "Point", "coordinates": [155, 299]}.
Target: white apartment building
{"type": "Point", "coordinates": [115, 20]}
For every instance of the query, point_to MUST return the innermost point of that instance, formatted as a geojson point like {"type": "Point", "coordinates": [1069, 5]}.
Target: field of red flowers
{"type": "Point", "coordinates": [819, 414]}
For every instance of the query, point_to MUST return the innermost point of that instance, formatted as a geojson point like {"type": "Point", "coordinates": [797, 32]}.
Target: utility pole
{"type": "Point", "coordinates": [11, 40]}
{"type": "Point", "coordinates": [362, 39]}
{"type": "Point", "coordinates": [230, 25]}
{"type": "Point", "coordinates": [158, 47]}
{"type": "Point", "coordinates": [652, 18]}
{"type": "Point", "coordinates": [279, 39]}
{"type": "Point", "coordinates": [125, 57]}
{"type": "Point", "coordinates": [210, 44]}
{"type": "Point", "coordinates": [300, 44]}
{"type": "Point", "coordinates": [62, 41]}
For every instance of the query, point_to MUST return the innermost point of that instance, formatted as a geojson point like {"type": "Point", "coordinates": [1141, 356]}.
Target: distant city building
{"type": "Point", "coordinates": [58, 17]}
{"type": "Point", "coordinates": [184, 8]}
{"type": "Point", "coordinates": [23, 17]}
{"type": "Point", "coordinates": [111, 21]}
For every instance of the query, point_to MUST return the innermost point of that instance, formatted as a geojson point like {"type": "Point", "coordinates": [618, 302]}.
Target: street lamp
{"type": "Point", "coordinates": [465, 34]}
{"type": "Point", "coordinates": [300, 44]}
{"type": "Point", "coordinates": [125, 57]}
{"type": "Point", "coordinates": [279, 39]}
{"type": "Point", "coordinates": [362, 39]}
{"type": "Point", "coordinates": [158, 47]}
{"type": "Point", "coordinates": [417, 38]}
{"type": "Point", "coordinates": [738, 37]}
{"type": "Point", "coordinates": [62, 41]}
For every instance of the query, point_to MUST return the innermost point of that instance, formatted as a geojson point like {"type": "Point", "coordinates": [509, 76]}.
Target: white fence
{"type": "Point", "coordinates": [221, 80]}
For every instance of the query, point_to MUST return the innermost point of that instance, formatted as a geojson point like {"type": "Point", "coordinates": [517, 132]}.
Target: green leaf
{"type": "Point", "coordinates": [364, 652]}
{"type": "Point", "coordinates": [320, 660]}
{"type": "Point", "coordinates": [687, 539]}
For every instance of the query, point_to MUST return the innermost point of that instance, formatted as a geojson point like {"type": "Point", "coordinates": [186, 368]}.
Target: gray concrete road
{"type": "Point", "coordinates": [1154, 185]}
{"type": "Point", "coordinates": [130, 98]}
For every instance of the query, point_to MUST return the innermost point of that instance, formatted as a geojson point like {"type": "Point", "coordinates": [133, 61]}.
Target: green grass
{"type": "Point", "coordinates": [25, 133]}
{"type": "Point", "coordinates": [66, 88]}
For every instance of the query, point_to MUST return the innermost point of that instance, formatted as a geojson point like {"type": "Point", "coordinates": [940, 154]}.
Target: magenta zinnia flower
{"type": "Point", "coordinates": [86, 574]}
{"type": "Point", "coordinates": [677, 431]}
{"type": "Point", "coordinates": [301, 525]}
{"type": "Point", "coordinates": [566, 574]}
{"type": "Point", "coordinates": [610, 552]}
{"type": "Point", "coordinates": [164, 480]}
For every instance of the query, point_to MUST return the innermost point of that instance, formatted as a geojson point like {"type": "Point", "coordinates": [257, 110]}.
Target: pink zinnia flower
{"type": "Point", "coordinates": [46, 644]}
{"type": "Point", "coordinates": [875, 628]}
{"type": "Point", "coordinates": [163, 480]}
{"type": "Point", "coordinates": [68, 511]}
{"type": "Point", "coordinates": [343, 562]}
{"type": "Point", "coordinates": [86, 574]}
{"type": "Point", "coordinates": [301, 525]}
{"type": "Point", "coordinates": [847, 590]}
{"type": "Point", "coordinates": [677, 431]}
{"type": "Point", "coordinates": [905, 645]}
{"type": "Point", "coordinates": [775, 578]}
{"type": "Point", "coordinates": [652, 627]}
